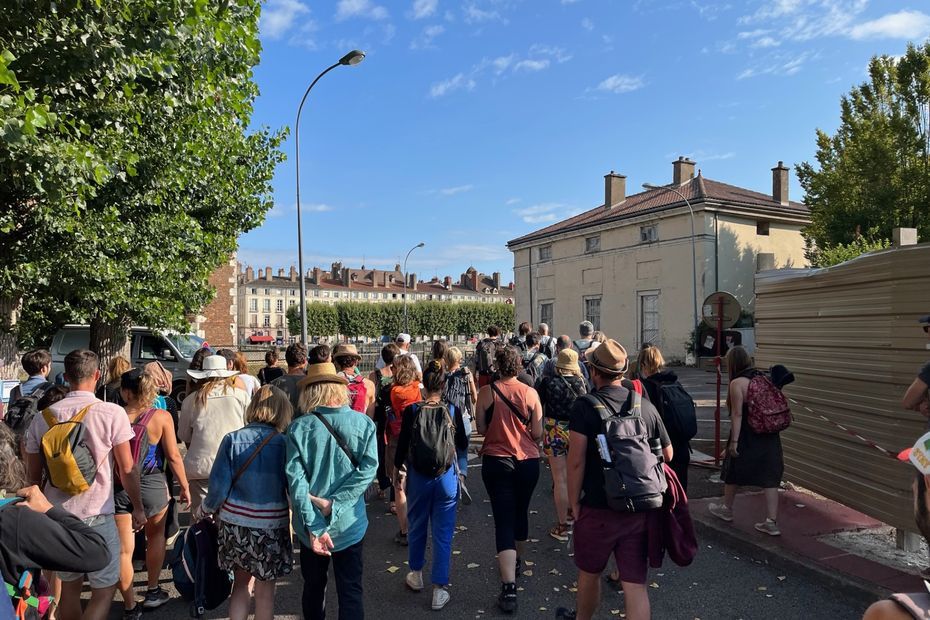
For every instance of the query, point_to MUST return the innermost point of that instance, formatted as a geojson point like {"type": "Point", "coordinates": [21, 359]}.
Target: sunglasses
{"type": "Point", "coordinates": [927, 329]}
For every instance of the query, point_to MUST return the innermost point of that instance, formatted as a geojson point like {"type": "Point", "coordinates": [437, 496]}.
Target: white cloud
{"type": "Point", "coordinates": [512, 201]}
{"type": "Point", "coordinates": [314, 208]}
{"type": "Point", "coordinates": [542, 213]}
{"type": "Point", "coordinates": [700, 156]}
{"type": "Point", "coordinates": [900, 25]}
{"type": "Point", "coordinates": [803, 20]}
{"type": "Point", "coordinates": [556, 53]}
{"type": "Point", "coordinates": [587, 24]}
{"type": "Point", "coordinates": [459, 81]}
{"type": "Point", "coordinates": [278, 16]}
{"type": "Point", "coordinates": [458, 189]}
{"type": "Point", "coordinates": [424, 8]}
{"type": "Point", "coordinates": [752, 34]}
{"type": "Point", "coordinates": [475, 15]}
{"type": "Point", "coordinates": [570, 1]}
{"type": "Point", "coordinates": [365, 9]}
{"type": "Point", "coordinates": [778, 65]}
{"type": "Point", "coordinates": [531, 65]}
{"type": "Point", "coordinates": [425, 40]}
{"type": "Point", "coordinates": [502, 63]}
{"type": "Point", "coordinates": [620, 83]}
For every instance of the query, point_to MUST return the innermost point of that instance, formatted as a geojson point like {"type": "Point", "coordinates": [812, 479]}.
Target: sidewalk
{"type": "Point", "coordinates": [803, 519]}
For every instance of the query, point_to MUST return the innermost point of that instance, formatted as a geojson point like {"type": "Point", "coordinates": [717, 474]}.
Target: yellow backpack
{"type": "Point", "coordinates": [68, 460]}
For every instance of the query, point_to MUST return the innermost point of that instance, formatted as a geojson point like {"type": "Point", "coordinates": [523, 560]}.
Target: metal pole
{"type": "Point", "coordinates": [717, 363]}
{"type": "Point", "coordinates": [419, 245]}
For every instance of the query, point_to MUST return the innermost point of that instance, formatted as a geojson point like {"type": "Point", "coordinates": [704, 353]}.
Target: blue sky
{"type": "Point", "coordinates": [473, 122]}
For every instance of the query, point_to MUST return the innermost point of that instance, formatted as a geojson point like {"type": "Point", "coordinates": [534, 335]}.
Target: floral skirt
{"type": "Point", "coordinates": [266, 554]}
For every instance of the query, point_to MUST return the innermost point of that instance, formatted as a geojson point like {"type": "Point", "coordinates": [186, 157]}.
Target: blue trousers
{"type": "Point", "coordinates": [431, 503]}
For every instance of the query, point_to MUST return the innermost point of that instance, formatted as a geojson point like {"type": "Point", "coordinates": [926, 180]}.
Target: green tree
{"type": "Point", "coordinates": [322, 320]}
{"type": "Point", "coordinates": [873, 174]}
{"type": "Point", "coordinates": [842, 252]}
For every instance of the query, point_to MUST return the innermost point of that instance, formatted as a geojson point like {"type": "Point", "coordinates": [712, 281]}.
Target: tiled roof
{"type": "Point", "coordinates": [697, 191]}
{"type": "Point", "coordinates": [397, 287]}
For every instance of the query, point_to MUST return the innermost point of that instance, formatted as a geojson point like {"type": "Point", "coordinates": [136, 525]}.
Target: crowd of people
{"type": "Point", "coordinates": [299, 452]}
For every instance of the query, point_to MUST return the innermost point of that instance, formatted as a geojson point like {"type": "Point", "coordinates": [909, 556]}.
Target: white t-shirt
{"type": "Point", "coordinates": [413, 356]}
{"type": "Point", "coordinates": [251, 383]}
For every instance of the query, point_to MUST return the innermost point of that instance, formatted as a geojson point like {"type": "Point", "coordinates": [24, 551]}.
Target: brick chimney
{"type": "Point", "coordinates": [293, 273]}
{"type": "Point", "coordinates": [614, 189]}
{"type": "Point", "coordinates": [249, 274]}
{"type": "Point", "coordinates": [269, 274]}
{"type": "Point", "coordinates": [682, 171]}
{"type": "Point", "coordinates": [412, 281]}
{"type": "Point", "coordinates": [280, 272]}
{"type": "Point", "coordinates": [473, 283]}
{"type": "Point", "coordinates": [497, 280]}
{"type": "Point", "coordinates": [780, 184]}
{"type": "Point", "coordinates": [317, 276]}
{"type": "Point", "coordinates": [447, 282]}
{"type": "Point", "coordinates": [261, 274]}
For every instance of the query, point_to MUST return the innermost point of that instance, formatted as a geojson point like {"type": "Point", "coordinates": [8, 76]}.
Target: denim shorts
{"type": "Point", "coordinates": [105, 525]}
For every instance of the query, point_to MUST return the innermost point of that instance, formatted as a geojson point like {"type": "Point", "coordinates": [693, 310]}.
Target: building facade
{"type": "Point", "coordinates": [626, 265]}
{"type": "Point", "coordinates": [218, 322]}
{"type": "Point", "coordinates": [265, 295]}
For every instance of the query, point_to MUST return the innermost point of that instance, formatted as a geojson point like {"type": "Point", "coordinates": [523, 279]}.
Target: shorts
{"type": "Point", "coordinates": [154, 496]}
{"type": "Point", "coordinates": [105, 525]}
{"type": "Point", "coordinates": [397, 475]}
{"type": "Point", "coordinates": [555, 439]}
{"type": "Point", "coordinates": [601, 532]}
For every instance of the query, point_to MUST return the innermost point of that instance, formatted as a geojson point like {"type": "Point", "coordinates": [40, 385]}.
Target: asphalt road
{"type": "Point", "coordinates": [721, 584]}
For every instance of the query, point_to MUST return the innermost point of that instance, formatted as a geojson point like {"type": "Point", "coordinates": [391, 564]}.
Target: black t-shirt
{"type": "Point", "coordinates": [288, 383]}
{"type": "Point", "coordinates": [587, 421]}
{"type": "Point", "coordinates": [558, 393]}
{"type": "Point", "coordinates": [924, 374]}
{"type": "Point", "coordinates": [269, 373]}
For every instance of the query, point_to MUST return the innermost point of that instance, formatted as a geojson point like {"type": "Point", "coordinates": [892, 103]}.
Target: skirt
{"type": "Point", "coordinates": [760, 462]}
{"type": "Point", "coordinates": [265, 554]}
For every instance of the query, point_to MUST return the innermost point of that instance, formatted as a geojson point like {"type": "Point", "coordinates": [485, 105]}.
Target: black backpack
{"type": "Point", "coordinates": [20, 413]}
{"type": "Point", "coordinates": [195, 569]}
{"type": "Point", "coordinates": [384, 411]}
{"type": "Point", "coordinates": [677, 410]}
{"type": "Point", "coordinates": [519, 344]}
{"type": "Point", "coordinates": [634, 479]}
{"type": "Point", "coordinates": [484, 353]}
{"type": "Point", "coordinates": [547, 346]}
{"type": "Point", "coordinates": [432, 440]}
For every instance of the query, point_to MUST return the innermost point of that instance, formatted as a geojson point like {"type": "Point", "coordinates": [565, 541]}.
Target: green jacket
{"type": "Point", "coordinates": [316, 465]}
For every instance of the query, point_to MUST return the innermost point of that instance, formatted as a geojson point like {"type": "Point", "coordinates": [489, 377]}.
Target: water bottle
{"type": "Point", "coordinates": [602, 448]}
{"type": "Point", "coordinates": [655, 445]}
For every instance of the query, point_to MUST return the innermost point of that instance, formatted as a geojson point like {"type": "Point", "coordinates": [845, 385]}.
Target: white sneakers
{"type": "Point", "coordinates": [721, 511]}
{"type": "Point", "coordinates": [768, 527]}
{"type": "Point", "coordinates": [441, 596]}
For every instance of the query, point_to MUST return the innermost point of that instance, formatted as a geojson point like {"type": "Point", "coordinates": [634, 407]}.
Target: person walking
{"type": "Point", "coordinates": [461, 392]}
{"type": "Point", "coordinates": [215, 409]}
{"type": "Point", "coordinates": [426, 449]}
{"type": "Point", "coordinates": [383, 379]}
{"type": "Point", "coordinates": [241, 364]}
{"type": "Point", "coordinates": [109, 392]}
{"type": "Point", "coordinates": [271, 370]}
{"type": "Point", "coordinates": [485, 354]}
{"type": "Point", "coordinates": [752, 459]}
{"type": "Point", "coordinates": [404, 392]}
{"type": "Point", "coordinates": [917, 396]}
{"type": "Point", "coordinates": [586, 337]}
{"type": "Point", "coordinates": [361, 389]}
{"type": "Point", "coordinates": [296, 357]}
{"type": "Point", "coordinates": [557, 395]}
{"type": "Point", "coordinates": [331, 459]}
{"type": "Point", "coordinates": [510, 419]}
{"type": "Point", "coordinates": [248, 496]}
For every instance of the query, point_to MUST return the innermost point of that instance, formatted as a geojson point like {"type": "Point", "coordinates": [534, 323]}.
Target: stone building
{"type": "Point", "coordinates": [218, 322]}
{"type": "Point", "coordinates": [626, 265]}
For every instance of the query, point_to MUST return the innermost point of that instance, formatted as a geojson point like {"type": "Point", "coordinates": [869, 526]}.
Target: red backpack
{"type": "Point", "coordinates": [358, 393]}
{"type": "Point", "coordinates": [768, 407]}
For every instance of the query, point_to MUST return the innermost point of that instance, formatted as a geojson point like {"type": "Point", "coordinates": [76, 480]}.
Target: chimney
{"type": "Point", "coordinates": [614, 189]}
{"type": "Point", "coordinates": [447, 282]}
{"type": "Point", "coordinates": [903, 236]}
{"type": "Point", "coordinates": [682, 171]}
{"type": "Point", "coordinates": [261, 274]}
{"type": "Point", "coordinates": [269, 274]}
{"type": "Point", "coordinates": [386, 275]}
{"type": "Point", "coordinates": [497, 280]}
{"type": "Point", "coordinates": [780, 184]}
{"type": "Point", "coordinates": [280, 272]}
{"type": "Point", "coordinates": [346, 276]}
{"type": "Point", "coordinates": [317, 276]}
{"type": "Point", "coordinates": [412, 281]}
{"type": "Point", "coordinates": [473, 284]}
{"type": "Point", "coordinates": [293, 273]}
{"type": "Point", "coordinates": [249, 274]}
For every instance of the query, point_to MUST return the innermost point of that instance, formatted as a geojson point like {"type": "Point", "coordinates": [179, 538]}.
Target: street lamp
{"type": "Point", "coordinates": [693, 257]}
{"type": "Point", "coordinates": [419, 245]}
{"type": "Point", "coordinates": [351, 59]}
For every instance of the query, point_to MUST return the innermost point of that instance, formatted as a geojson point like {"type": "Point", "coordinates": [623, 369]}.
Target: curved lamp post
{"type": "Point", "coordinates": [352, 58]}
{"type": "Point", "coordinates": [693, 257]}
{"type": "Point", "coordinates": [419, 245]}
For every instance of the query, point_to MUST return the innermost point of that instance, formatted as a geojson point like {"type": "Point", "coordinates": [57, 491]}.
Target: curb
{"type": "Point", "coordinates": [775, 556]}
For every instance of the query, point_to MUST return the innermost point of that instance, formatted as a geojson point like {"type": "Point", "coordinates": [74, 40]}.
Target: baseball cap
{"type": "Point", "coordinates": [405, 338]}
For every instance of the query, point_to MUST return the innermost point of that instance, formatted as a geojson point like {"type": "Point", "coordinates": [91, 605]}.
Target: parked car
{"type": "Point", "coordinates": [172, 349]}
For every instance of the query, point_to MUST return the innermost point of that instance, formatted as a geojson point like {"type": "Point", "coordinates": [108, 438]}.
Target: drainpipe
{"type": "Point", "coordinates": [716, 255]}
{"type": "Point", "coordinates": [532, 321]}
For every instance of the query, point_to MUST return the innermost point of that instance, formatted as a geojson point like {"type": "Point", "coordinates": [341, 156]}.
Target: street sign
{"type": "Point", "coordinates": [731, 309]}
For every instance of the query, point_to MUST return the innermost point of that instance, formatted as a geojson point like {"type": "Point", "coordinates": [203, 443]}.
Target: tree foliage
{"type": "Point", "coordinates": [129, 170]}
{"type": "Point", "coordinates": [873, 174]}
{"type": "Point", "coordinates": [842, 252]}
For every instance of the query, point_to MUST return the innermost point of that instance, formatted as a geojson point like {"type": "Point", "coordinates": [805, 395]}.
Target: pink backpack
{"type": "Point", "coordinates": [768, 407]}
{"type": "Point", "coordinates": [358, 393]}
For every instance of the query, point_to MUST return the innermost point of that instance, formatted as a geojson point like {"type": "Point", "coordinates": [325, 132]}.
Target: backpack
{"type": "Point", "coordinates": [195, 569]}
{"type": "Point", "coordinates": [518, 343]}
{"type": "Point", "coordinates": [768, 407]}
{"type": "Point", "coordinates": [432, 440]}
{"type": "Point", "coordinates": [384, 411]}
{"type": "Point", "coordinates": [533, 365]}
{"type": "Point", "coordinates": [20, 412]}
{"type": "Point", "coordinates": [20, 601]}
{"type": "Point", "coordinates": [634, 480]}
{"type": "Point", "coordinates": [458, 391]}
{"type": "Point", "coordinates": [358, 393]}
{"type": "Point", "coordinates": [678, 411]}
{"type": "Point", "coordinates": [140, 445]}
{"type": "Point", "coordinates": [547, 346]}
{"type": "Point", "coordinates": [582, 344]}
{"type": "Point", "coordinates": [485, 352]}
{"type": "Point", "coordinates": [68, 461]}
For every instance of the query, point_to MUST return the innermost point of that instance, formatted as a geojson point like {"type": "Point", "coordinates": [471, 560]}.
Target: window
{"type": "Point", "coordinates": [291, 302]}
{"type": "Point", "coordinates": [280, 305]}
{"type": "Point", "coordinates": [253, 305]}
{"type": "Point", "coordinates": [366, 294]}
{"type": "Point", "coordinates": [293, 292]}
{"type": "Point", "coordinates": [325, 293]}
{"type": "Point", "coordinates": [545, 315]}
{"type": "Point", "coordinates": [355, 294]}
{"type": "Point", "coordinates": [266, 305]}
{"type": "Point", "coordinates": [253, 321]}
{"type": "Point", "coordinates": [648, 318]}
{"type": "Point", "coordinates": [592, 244]}
{"type": "Point", "coordinates": [592, 311]}
{"type": "Point", "coordinates": [316, 292]}
{"type": "Point", "coordinates": [154, 348]}
{"type": "Point", "coordinates": [545, 252]}
{"type": "Point", "coordinates": [267, 322]}
{"type": "Point", "coordinates": [762, 228]}
{"type": "Point", "coordinates": [267, 291]}
{"type": "Point", "coordinates": [254, 291]}
{"type": "Point", "coordinates": [648, 234]}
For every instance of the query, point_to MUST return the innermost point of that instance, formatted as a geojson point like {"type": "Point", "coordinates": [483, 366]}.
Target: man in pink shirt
{"type": "Point", "coordinates": [107, 436]}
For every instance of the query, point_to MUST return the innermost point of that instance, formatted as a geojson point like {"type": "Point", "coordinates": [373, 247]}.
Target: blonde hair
{"type": "Point", "coordinates": [205, 386]}
{"type": "Point", "coordinates": [323, 395]}
{"type": "Point", "coordinates": [271, 406]}
{"type": "Point", "coordinates": [115, 369]}
{"type": "Point", "coordinates": [452, 357]}
{"type": "Point", "coordinates": [240, 363]}
{"type": "Point", "coordinates": [738, 361]}
{"type": "Point", "coordinates": [650, 361]}
{"type": "Point", "coordinates": [599, 337]}
{"type": "Point", "coordinates": [145, 391]}
{"type": "Point", "coordinates": [405, 371]}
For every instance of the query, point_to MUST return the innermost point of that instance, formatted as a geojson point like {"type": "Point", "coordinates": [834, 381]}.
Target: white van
{"type": "Point", "coordinates": [146, 345]}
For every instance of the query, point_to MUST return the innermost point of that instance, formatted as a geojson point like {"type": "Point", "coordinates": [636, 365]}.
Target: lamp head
{"type": "Point", "coordinates": [421, 244]}
{"type": "Point", "coordinates": [352, 58]}
{"type": "Point", "coordinates": [650, 186]}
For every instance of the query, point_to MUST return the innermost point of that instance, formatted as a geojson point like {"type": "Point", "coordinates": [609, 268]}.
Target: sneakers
{"type": "Point", "coordinates": [414, 581]}
{"type": "Point", "coordinates": [563, 613]}
{"type": "Point", "coordinates": [440, 598]}
{"type": "Point", "coordinates": [133, 614]}
{"type": "Point", "coordinates": [721, 511]}
{"type": "Point", "coordinates": [463, 490]}
{"type": "Point", "coordinates": [507, 601]}
{"type": "Point", "coordinates": [560, 532]}
{"type": "Point", "coordinates": [401, 538]}
{"type": "Point", "coordinates": [155, 598]}
{"type": "Point", "coordinates": [768, 527]}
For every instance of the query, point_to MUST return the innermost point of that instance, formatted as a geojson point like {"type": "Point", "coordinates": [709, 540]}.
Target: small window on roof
{"type": "Point", "coordinates": [762, 228]}
{"type": "Point", "coordinates": [592, 244]}
{"type": "Point", "coordinates": [545, 252]}
{"type": "Point", "coordinates": [648, 234]}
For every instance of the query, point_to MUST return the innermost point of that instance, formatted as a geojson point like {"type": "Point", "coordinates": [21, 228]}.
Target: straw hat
{"type": "Point", "coordinates": [610, 357]}
{"type": "Point", "coordinates": [322, 373]}
{"type": "Point", "coordinates": [214, 366]}
{"type": "Point", "coordinates": [345, 350]}
{"type": "Point", "coordinates": [568, 360]}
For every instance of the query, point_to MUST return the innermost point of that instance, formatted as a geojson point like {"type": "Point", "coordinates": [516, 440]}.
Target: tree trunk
{"type": "Point", "coordinates": [9, 349]}
{"type": "Point", "coordinates": [109, 339]}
